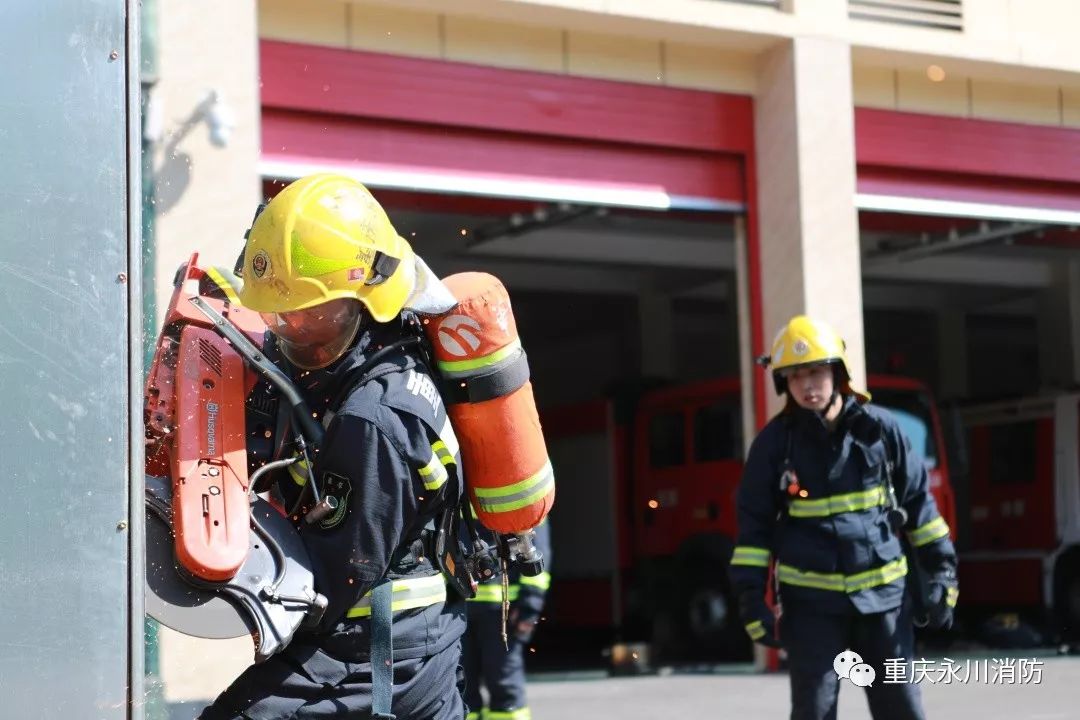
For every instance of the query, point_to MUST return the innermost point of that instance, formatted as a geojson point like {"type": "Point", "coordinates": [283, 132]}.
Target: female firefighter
{"type": "Point", "coordinates": [833, 492]}
{"type": "Point", "coordinates": [335, 283]}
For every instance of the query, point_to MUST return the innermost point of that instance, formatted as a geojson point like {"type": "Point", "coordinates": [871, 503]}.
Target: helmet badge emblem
{"type": "Point", "coordinates": [260, 264]}
{"type": "Point", "coordinates": [800, 347]}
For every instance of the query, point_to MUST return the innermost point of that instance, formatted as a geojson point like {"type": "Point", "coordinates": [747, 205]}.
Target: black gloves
{"type": "Point", "coordinates": [758, 619]}
{"type": "Point", "coordinates": [942, 599]}
{"type": "Point", "coordinates": [524, 614]}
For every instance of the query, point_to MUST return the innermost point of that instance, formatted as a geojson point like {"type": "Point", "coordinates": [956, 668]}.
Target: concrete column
{"type": "Point", "coordinates": [205, 192]}
{"type": "Point", "coordinates": [952, 353]}
{"type": "Point", "coordinates": [746, 360]}
{"type": "Point", "coordinates": [657, 334]}
{"type": "Point", "coordinates": [1059, 328]}
{"type": "Point", "coordinates": [205, 197]}
{"type": "Point", "coordinates": [809, 237]}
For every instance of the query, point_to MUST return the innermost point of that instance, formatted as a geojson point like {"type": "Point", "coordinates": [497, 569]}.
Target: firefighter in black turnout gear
{"type": "Point", "coordinates": [834, 494]}
{"type": "Point", "coordinates": [335, 285]}
{"type": "Point", "coordinates": [498, 667]}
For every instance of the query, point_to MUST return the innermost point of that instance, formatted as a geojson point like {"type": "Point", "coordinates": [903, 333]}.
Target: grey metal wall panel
{"type": "Point", "coordinates": [64, 359]}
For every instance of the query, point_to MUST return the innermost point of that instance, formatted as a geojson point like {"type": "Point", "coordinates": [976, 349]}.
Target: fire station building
{"type": "Point", "coordinates": [661, 185]}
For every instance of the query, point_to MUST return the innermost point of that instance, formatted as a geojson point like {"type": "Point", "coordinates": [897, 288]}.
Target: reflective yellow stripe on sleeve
{"type": "Point", "coordinates": [756, 630]}
{"type": "Point", "coordinates": [836, 582]}
{"type": "Point", "coordinates": [542, 581]}
{"type": "Point", "coordinates": [928, 533]}
{"type": "Point", "coordinates": [749, 556]}
{"type": "Point", "coordinates": [951, 596]}
{"type": "Point", "coordinates": [434, 475]}
{"type": "Point", "coordinates": [298, 471]}
{"type": "Point", "coordinates": [222, 282]}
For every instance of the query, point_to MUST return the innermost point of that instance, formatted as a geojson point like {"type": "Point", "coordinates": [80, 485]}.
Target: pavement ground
{"type": "Point", "coordinates": [740, 694]}
{"type": "Point", "coordinates": [746, 696]}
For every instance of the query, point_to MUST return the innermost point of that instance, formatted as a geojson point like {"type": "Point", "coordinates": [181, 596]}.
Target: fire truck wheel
{"type": "Point", "coordinates": [712, 617]}
{"type": "Point", "coordinates": [1067, 595]}
{"type": "Point", "coordinates": [668, 639]}
{"type": "Point", "coordinates": [707, 609]}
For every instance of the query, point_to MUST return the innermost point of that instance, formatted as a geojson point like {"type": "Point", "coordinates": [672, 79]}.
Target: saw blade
{"type": "Point", "coordinates": [171, 600]}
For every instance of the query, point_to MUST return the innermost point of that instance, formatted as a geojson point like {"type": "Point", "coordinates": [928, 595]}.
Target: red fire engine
{"type": "Point", "coordinates": [647, 491]}
{"type": "Point", "coordinates": [1024, 490]}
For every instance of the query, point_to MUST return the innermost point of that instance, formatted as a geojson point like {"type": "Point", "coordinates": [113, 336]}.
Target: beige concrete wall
{"type": "Point", "coordinates": [518, 42]}
{"type": "Point", "coordinates": [204, 199]}
{"type": "Point", "coordinates": [642, 42]}
{"type": "Point", "coordinates": [501, 44]}
{"type": "Point", "coordinates": [1035, 34]}
{"type": "Point", "coordinates": [935, 90]}
{"type": "Point", "coordinates": [204, 195]}
{"type": "Point", "coordinates": [810, 261]}
{"type": "Point", "coordinates": [390, 30]}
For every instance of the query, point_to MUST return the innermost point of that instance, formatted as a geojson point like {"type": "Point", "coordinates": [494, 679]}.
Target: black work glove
{"type": "Point", "coordinates": [758, 619]}
{"type": "Point", "coordinates": [942, 598]}
{"type": "Point", "coordinates": [521, 620]}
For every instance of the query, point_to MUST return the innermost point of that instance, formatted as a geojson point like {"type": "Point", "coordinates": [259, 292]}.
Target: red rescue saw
{"type": "Point", "coordinates": [222, 561]}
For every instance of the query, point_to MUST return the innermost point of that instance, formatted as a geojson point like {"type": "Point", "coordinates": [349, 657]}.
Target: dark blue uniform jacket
{"type": "Point", "coordinates": [391, 460]}
{"type": "Point", "coordinates": [833, 545]}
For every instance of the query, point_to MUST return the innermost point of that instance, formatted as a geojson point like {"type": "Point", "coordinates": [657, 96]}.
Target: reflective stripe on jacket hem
{"type": "Point", "coordinates": [836, 582]}
{"type": "Point", "coordinates": [408, 593]}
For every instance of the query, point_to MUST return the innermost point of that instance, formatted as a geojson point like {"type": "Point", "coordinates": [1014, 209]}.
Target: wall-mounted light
{"type": "Point", "coordinates": [935, 73]}
{"type": "Point", "coordinates": [219, 118]}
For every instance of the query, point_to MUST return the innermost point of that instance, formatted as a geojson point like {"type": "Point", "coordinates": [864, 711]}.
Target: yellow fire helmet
{"type": "Point", "coordinates": [806, 341]}
{"type": "Point", "coordinates": [322, 238]}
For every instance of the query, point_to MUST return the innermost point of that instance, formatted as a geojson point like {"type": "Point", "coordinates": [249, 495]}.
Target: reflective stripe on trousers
{"type": "Point", "coordinates": [519, 714]}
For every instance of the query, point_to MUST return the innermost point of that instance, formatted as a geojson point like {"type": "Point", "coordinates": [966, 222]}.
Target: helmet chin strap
{"type": "Point", "coordinates": [828, 407]}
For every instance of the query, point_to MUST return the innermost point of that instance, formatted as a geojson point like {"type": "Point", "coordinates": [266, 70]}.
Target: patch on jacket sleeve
{"type": "Point", "coordinates": [339, 488]}
{"type": "Point", "coordinates": [421, 385]}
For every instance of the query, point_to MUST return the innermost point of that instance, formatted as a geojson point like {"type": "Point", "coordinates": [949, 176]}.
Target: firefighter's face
{"type": "Point", "coordinates": [812, 387]}
{"type": "Point", "coordinates": [315, 337]}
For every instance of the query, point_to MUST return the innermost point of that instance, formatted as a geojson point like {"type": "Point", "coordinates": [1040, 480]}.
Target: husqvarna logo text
{"type": "Point", "coordinates": [211, 428]}
{"type": "Point", "coordinates": [456, 333]}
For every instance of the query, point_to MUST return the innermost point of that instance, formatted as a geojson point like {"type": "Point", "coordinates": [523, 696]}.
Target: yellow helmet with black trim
{"type": "Point", "coordinates": [322, 238]}
{"type": "Point", "coordinates": [804, 341]}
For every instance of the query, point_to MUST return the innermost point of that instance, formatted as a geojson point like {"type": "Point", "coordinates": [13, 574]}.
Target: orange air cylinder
{"type": "Point", "coordinates": [491, 406]}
